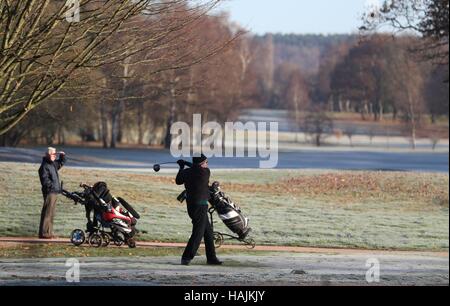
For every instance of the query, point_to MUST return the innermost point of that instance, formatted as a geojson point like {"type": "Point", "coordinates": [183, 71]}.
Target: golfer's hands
{"type": "Point", "coordinates": [181, 163]}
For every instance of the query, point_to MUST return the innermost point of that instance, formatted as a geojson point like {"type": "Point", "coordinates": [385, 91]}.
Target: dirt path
{"type": "Point", "coordinates": [292, 266]}
{"type": "Point", "coordinates": [10, 241]}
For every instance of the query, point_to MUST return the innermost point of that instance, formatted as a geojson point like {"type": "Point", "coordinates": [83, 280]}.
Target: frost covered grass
{"type": "Point", "coordinates": [351, 209]}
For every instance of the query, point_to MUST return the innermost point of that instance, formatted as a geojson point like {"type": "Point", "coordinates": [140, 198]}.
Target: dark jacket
{"type": "Point", "coordinates": [196, 182]}
{"type": "Point", "coordinates": [48, 174]}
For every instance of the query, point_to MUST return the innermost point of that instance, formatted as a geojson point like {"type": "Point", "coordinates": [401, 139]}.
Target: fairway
{"type": "Point", "coordinates": [367, 210]}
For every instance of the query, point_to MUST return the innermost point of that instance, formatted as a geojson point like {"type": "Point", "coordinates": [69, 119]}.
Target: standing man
{"type": "Point", "coordinates": [196, 182]}
{"type": "Point", "coordinates": [48, 174]}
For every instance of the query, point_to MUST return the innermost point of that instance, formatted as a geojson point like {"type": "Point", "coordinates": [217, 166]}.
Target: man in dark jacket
{"type": "Point", "coordinates": [51, 186]}
{"type": "Point", "coordinates": [196, 182]}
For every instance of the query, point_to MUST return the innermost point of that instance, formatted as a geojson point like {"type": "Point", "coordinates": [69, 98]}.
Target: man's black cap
{"type": "Point", "coordinates": [199, 160]}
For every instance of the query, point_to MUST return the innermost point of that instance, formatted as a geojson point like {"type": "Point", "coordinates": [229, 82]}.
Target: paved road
{"type": "Point", "coordinates": [307, 159]}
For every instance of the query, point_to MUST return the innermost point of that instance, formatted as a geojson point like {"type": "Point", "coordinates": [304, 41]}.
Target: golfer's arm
{"type": "Point", "coordinates": [207, 175]}
{"type": "Point", "coordinates": [61, 161]}
{"type": "Point", "coordinates": [180, 178]}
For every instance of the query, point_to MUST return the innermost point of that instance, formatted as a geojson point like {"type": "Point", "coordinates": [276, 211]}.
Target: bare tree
{"type": "Point", "coordinates": [296, 96]}
{"type": "Point", "coordinates": [428, 18]}
{"type": "Point", "coordinates": [371, 133]}
{"type": "Point", "coordinates": [349, 131]}
{"type": "Point", "coordinates": [437, 93]}
{"type": "Point", "coordinates": [40, 51]}
{"type": "Point", "coordinates": [405, 73]}
{"type": "Point", "coordinates": [360, 77]}
{"type": "Point", "coordinates": [318, 124]}
{"type": "Point", "coordinates": [434, 139]}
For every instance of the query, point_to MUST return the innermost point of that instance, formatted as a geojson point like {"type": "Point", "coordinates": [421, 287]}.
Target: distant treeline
{"type": "Point", "coordinates": [124, 102]}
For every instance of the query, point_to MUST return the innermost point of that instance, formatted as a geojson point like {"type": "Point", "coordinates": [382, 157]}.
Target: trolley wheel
{"type": "Point", "coordinates": [118, 243]}
{"type": "Point", "coordinates": [96, 240]}
{"type": "Point", "coordinates": [106, 239]}
{"type": "Point", "coordinates": [118, 239]}
{"type": "Point", "coordinates": [131, 243]}
{"type": "Point", "coordinates": [77, 237]}
{"type": "Point", "coordinates": [218, 240]}
{"type": "Point", "coordinates": [250, 243]}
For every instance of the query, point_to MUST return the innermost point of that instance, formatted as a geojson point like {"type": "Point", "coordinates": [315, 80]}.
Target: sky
{"type": "Point", "coordinates": [298, 16]}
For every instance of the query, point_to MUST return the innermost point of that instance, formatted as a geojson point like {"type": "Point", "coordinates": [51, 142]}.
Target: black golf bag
{"type": "Point", "coordinates": [228, 211]}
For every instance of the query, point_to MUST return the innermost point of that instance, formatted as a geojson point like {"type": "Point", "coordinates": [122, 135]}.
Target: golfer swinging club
{"type": "Point", "coordinates": [196, 180]}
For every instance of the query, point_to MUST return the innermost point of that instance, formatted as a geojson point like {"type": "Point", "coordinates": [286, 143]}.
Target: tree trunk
{"type": "Point", "coordinates": [140, 122]}
{"type": "Point", "coordinates": [297, 115]}
{"type": "Point", "coordinates": [318, 140]}
{"type": "Point", "coordinates": [364, 109]}
{"type": "Point", "coordinates": [171, 119]}
{"type": "Point", "coordinates": [331, 105]}
{"type": "Point", "coordinates": [114, 127]}
{"type": "Point", "coordinates": [413, 135]}
{"type": "Point", "coordinates": [104, 124]}
{"type": "Point", "coordinates": [120, 125]}
{"type": "Point", "coordinates": [380, 110]}
{"type": "Point", "coordinates": [115, 123]}
{"type": "Point", "coordinates": [433, 118]}
{"type": "Point", "coordinates": [413, 121]}
{"type": "Point", "coordinates": [116, 119]}
{"type": "Point", "coordinates": [61, 136]}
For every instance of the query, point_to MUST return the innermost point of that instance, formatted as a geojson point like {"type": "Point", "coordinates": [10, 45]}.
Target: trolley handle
{"type": "Point", "coordinates": [211, 210]}
{"type": "Point", "coordinates": [85, 186]}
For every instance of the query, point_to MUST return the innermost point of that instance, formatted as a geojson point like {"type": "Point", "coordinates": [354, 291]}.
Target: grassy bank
{"type": "Point", "coordinates": [69, 251]}
{"type": "Point", "coordinates": [304, 208]}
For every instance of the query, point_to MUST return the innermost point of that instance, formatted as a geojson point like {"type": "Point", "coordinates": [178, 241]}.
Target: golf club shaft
{"type": "Point", "coordinates": [168, 163]}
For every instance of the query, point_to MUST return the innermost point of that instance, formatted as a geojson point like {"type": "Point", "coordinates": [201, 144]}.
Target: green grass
{"type": "Point", "coordinates": [374, 210]}
{"type": "Point", "coordinates": [63, 251]}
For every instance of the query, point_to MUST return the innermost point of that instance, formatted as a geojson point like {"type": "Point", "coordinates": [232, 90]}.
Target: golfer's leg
{"type": "Point", "coordinates": [198, 229]}
{"type": "Point", "coordinates": [43, 212]}
{"type": "Point", "coordinates": [51, 212]}
{"type": "Point", "coordinates": [188, 251]}
{"type": "Point", "coordinates": [45, 232]}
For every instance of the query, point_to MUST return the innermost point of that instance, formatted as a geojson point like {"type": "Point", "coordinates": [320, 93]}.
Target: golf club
{"type": "Point", "coordinates": [157, 167]}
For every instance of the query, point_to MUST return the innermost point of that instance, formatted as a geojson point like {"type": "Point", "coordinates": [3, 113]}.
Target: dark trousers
{"type": "Point", "coordinates": [201, 228]}
{"type": "Point", "coordinates": [47, 215]}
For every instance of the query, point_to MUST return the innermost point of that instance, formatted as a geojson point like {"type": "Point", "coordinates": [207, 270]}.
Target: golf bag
{"type": "Point", "coordinates": [228, 211]}
{"type": "Point", "coordinates": [104, 211]}
{"type": "Point", "coordinates": [109, 211]}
